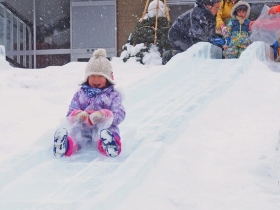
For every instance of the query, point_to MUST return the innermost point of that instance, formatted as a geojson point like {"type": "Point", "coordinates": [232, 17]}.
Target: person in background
{"type": "Point", "coordinates": [276, 47]}
{"type": "Point", "coordinates": [199, 25]}
{"type": "Point", "coordinates": [237, 33]}
{"type": "Point", "coordinates": [95, 112]}
{"type": "Point", "coordinates": [274, 10]}
{"type": "Point", "coordinates": [224, 15]}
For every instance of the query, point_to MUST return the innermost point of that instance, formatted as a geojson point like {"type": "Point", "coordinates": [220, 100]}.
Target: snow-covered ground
{"type": "Point", "coordinates": [200, 133]}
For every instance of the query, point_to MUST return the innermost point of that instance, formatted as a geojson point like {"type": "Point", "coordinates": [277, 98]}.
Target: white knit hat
{"type": "Point", "coordinates": [98, 64]}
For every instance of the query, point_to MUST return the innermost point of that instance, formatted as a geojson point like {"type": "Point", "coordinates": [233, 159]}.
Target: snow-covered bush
{"type": "Point", "coordinates": [141, 41]}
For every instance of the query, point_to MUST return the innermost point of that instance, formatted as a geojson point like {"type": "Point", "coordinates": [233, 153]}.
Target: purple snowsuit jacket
{"type": "Point", "coordinates": [108, 98]}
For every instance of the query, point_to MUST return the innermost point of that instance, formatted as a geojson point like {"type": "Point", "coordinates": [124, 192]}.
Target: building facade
{"type": "Point", "coordinates": [40, 33]}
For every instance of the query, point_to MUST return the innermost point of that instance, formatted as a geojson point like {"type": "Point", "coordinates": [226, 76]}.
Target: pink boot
{"type": "Point", "coordinates": [109, 143]}
{"type": "Point", "coordinates": [63, 144]}
{"type": "Point", "coordinates": [72, 148]}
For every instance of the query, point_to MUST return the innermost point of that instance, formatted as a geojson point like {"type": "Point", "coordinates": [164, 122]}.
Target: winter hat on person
{"type": "Point", "coordinates": [98, 64]}
{"type": "Point", "coordinates": [240, 4]}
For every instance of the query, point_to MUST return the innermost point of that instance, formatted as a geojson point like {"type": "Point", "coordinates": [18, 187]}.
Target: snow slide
{"type": "Point", "coordinates": [158, 110]}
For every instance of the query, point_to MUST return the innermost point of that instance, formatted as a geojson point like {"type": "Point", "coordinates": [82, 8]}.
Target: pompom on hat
{"type": "Point", "coordinates": [98, 64]}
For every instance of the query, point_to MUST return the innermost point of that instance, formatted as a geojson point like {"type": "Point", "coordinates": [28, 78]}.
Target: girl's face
{"type": "Point", "coordinates": [241, 13]}
{"type": "Point", "coordinates": [97, 81]}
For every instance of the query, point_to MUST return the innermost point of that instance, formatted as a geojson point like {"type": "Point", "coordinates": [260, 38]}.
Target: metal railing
{"type": "Point", "coordinates": [16, 36]}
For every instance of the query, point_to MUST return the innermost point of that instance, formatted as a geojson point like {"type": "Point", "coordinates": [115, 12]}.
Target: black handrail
{"type": "Point", "coordinates": [14, 63]}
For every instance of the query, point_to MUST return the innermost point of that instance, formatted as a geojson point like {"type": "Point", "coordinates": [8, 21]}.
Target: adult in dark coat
{"type": "Point", "coordinates": [194, 26]}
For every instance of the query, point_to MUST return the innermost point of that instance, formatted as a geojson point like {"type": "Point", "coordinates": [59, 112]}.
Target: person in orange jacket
{"type": "Point", "coordinates": [274, 10]}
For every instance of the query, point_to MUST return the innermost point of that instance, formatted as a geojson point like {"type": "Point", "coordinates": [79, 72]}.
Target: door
{"type": "Point", "coordinates": [93, 26]}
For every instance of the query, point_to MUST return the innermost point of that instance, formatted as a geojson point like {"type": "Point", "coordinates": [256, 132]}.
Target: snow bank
{"type": "Point", "coordinates": [4, 63]}
{"type": "Point", "coordinates": [261, 51]}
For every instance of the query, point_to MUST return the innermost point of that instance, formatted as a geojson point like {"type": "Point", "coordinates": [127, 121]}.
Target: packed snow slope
{"type": "Point", "coordinates": [200, 133]}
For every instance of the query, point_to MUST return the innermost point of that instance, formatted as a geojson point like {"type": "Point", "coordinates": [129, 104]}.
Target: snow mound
{"type": "Point", "coordinates": [203, 50]}
{"type": "Point", "coordinates": [261, 51]}
{"type": "Point", "coordinates": [3, 63]}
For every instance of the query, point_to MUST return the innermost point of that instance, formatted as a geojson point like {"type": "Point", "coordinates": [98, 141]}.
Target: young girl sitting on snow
{"type": "Point", "coordinates": [95, 112]}
{"type": "Point", "coordinates": [237, 33]}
